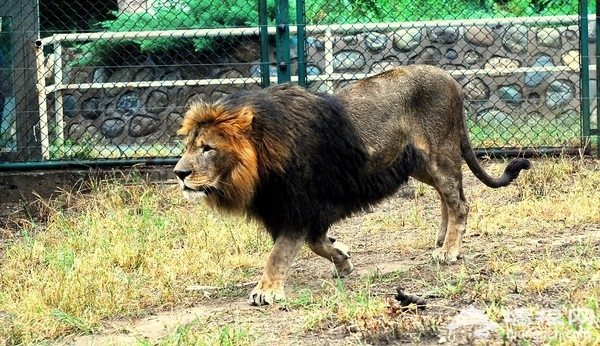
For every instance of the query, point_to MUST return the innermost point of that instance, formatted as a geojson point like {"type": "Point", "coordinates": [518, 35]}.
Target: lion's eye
{"type": "Point", "coordinates": [206, 148]}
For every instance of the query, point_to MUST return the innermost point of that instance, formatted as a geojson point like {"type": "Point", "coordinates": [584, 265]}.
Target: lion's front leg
{"type": "Point", "coordinates": [270, 288]}
{"type": "Point", "coordinates": [334, 251]}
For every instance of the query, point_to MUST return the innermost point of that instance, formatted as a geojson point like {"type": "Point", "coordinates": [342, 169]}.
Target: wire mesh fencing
{"type": "Point", "coordinates": [519, 64]}
{"type": "Point", "coordinates": [112, 81]}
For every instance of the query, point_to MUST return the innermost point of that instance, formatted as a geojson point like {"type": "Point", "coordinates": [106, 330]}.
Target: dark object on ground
{"type": "Point", "coordinates": [406, 300]}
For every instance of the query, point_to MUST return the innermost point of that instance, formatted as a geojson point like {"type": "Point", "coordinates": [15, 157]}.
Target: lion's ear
{"type": "Point", "coordinates": [243, 118]}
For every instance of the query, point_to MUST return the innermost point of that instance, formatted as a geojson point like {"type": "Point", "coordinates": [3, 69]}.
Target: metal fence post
{"type": "Point", "coordinates": [596, 131]}
{"type": "Point", "coordinates": [264, 43]}
{"type": "Point", "coordinates": [25, 32]}
{"type": "Point", "coordinates": [282, 39]}
{"type": "Point", "coordinates": [584, 72]}
{"type": "Point", "coordinates": [301, 42]}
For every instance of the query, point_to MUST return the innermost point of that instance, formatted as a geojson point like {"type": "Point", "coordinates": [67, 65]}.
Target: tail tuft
{"type": "Point", "coordinates": [514, 167]}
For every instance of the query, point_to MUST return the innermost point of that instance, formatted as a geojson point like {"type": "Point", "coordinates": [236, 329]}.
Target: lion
{"type": "Point", "coordinates": [298, 161]}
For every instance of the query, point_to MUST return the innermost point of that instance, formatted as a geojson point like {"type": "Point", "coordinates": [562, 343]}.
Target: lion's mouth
{"type": "Point", "coordinates": [207, 190]}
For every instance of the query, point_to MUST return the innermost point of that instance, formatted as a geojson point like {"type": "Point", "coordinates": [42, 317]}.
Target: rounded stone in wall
{"type": "Point", "coordinates": [73, 132]}
{"type": "Point", "coordinates": [444, 35]}
{"type": "Point", "coordinates": [80, 77]}
{"type": "Point", "coordinates": [69, 105]}
{"type": "Point", "coordinates": [472, 57]}
{"type": "Point", "coordinates": [533, 118]}
{"type": "Point", "coordinates": [482, 36]}
{"type": "Point", "coordinates": [157, 101]}
{"type": "Point", "coordinates": [502, 66]}
{"type": "Point", "coordinates": [112, 127]}
{"type": "Point", "coordinates": [534, 99]}
{"type": "Point", "coordinates": [180, 96]}
{"type": "Point", "coordinates": [217, 94]}
{"type": "Point", "coordinates": [316, 44]}
{"type": "Point", "coordinates": [451, 54]}
{"type": "Point", "coordinates": [516, 39]}
{"type": "Point", "coordinates": [548, 37]}
{"type": "Point", "coordinates": [230, 74]}
{"type": "Point", "coordinates": [90, 108]}
{"type": "Point", "coordinates": [246, 51]}
{"type": "Point", "coordinates": [122, 75]}
{"type": "Point", "coordinates": [312, 70]}
{"type": "Point", "coordinates": [375, 41]}
{"type": "Point", "coordinates": [511, 94]}
{"type": "Point", "coordinates": [174, 121]}
{"type": "Point", "coordinates": [143, 74]}
{"type": "Point", "coordinates": [405, 40]}
{"type": "Point", "coordinates": [350, 40]}
{"type": "Point", "coordinates": [78, 132]}
{"type": "Point", "coordinates": [571, 35]}
{"type": "Point", "coordinates": [476, 90]}
{"type": "Point", "coordinates": [255, 71]}
{"type": "Point", "coordinates": [559, 93]}
{"type": "Point", "coordinates": [193, 98]}
{"type": "Point", "coordinates": [384, 65]}
{"type": "Point", "coordinates": [129, 103]}
{"type": "Point", "coordinates": [494, 117]}
{"type": "Point", "coordinates": [171, 75]}
{"type": "Point", "coordinates": [571, 59]}
{"type": "Point", "coordinates": [143, 125]}
{"type": "Point", "coordinates": [429, 56]}
{"type": "Point", "coordinates": [100, 75]}
{"type": "Point", "coordinates": [348, 61]}
{"type": "Point", "coordinates": [533, 79]}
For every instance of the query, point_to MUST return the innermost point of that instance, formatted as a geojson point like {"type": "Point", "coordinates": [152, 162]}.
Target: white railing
{"type": "Point", "coordinates": [328, 32]}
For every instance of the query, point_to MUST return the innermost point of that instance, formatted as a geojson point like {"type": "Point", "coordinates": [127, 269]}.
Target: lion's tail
{"type": "Point", "coordinates": [511, 172]}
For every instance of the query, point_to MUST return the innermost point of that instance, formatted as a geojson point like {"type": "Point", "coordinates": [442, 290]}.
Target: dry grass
{"type": "Point", "coordinates": [120, 250]}
{"type": "Point", "coordinates": [126, 248]}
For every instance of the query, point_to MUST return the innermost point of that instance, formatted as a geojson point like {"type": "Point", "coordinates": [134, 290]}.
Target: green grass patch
{"type": "Point", "coordinates": [530, 133]}
{"type": "Point", "coordinates": [203, 332]}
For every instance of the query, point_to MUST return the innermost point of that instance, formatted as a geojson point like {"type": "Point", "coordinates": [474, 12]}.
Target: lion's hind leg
{"type": "Point", "coordinates": [424, 177]}
{"type": "Point", "coordinates": [441, 236]}
{"type": "Point", "coordinates": [334, 251]}
{"type": "Point", "coordinates": [455, 210]}
{"type": "Point", "coordinates": [448, 183]}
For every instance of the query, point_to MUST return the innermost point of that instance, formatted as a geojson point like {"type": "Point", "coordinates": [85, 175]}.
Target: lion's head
{"type": "Point", "coordinates": [219, 163]}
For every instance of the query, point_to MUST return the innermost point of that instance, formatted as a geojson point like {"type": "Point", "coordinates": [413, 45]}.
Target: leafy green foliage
{"type": "Point", "coordinates": [211, 14]}
{"type": "Point", "coordinates": [195, 14]}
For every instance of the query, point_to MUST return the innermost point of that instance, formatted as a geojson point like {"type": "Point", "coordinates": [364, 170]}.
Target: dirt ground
{"type": "Point", "coordinates": [382, 252]}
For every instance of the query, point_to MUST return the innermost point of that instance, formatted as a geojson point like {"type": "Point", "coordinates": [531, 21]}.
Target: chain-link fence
{"type": "Point", "coordinates": [109, 82]}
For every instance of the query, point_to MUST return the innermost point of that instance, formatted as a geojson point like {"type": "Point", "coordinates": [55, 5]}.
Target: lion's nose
{"type": "Point", "coordinates": [182, 174]}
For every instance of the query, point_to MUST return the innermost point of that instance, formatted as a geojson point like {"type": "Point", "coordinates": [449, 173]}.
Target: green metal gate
{"type": "Point", "coordinates": [107, 84]}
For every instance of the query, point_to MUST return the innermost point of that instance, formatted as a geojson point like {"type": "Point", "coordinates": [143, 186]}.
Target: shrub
{"type": "Point", "coordinates": [203, 14]}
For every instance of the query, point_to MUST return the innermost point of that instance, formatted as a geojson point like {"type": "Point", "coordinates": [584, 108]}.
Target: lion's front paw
{"type": "Point", "coordinates": [443, 256]}
{"type": "Point", "coordinates": [343, 266]}
{"type": "Point", "coordinates": [260, 296]}
{"type": "Point", "coordinates": [343, 269]}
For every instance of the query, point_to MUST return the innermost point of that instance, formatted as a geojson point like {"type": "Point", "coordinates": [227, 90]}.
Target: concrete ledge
{"type": "Point", "coordinates": [24, 186]}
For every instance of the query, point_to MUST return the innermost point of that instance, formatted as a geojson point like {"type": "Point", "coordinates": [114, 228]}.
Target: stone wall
{"type": "Point", "coordinates": [137, 115]}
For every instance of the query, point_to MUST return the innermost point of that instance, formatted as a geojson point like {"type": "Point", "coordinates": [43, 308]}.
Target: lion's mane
{"type": "Point", "coordinates": [299, 161]}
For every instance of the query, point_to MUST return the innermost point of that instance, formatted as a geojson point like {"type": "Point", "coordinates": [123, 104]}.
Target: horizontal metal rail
{"type": "Point", "coordinates": [323, 77]}
{"type": "Point", "coordinates": [310, 29]}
